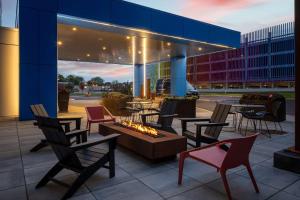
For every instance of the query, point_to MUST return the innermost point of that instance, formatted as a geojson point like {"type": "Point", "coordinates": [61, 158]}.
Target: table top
{"type": "Point", "coordinates": [248, 106]}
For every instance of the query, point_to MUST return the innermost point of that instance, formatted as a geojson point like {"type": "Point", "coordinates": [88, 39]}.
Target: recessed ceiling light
{"type": "Point", "coordinates": [74, 29]}
{"type": "Point", "coordinates": [139, 52]}
{"type": "Point", "coordinates": [88, 55]}
{"type": "Point", "coordinates": [169, 43]}
{"type": "Point", "coordinates": [119, 57]}
{"type": "Point", "coordinates": [128, 37]}
{"type": "Point", "coordinates": [199, 49]}
{"type": "Point", "coordinates": [59, 43]}
{"type": "Point", "coordinates": [169, 55]}
{"type": "Point", "coordinates": [104, 48]}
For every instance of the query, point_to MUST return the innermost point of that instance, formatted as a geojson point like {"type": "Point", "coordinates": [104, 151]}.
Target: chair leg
{"type": "Point", "coordinates": [182, 157]}
{"type": "Point", "coordinates": [280, 127]}
{"type": "Point", "coordinates": [246, 127]}
{"type": "Point", "coordinates": [268, 129]}
{"type": "Point", "coordinates": [42, 144]}
{"type": "Point", "coordinates": [226, 185]}
{"type": "Point", "coordinates": [252, 177]}
{"type": "Point", "coordinates": [81, 179]}
{"type": "Point", "coordinates": [50, 174]}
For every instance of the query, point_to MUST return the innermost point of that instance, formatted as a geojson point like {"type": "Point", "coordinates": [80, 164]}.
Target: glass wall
{"type": "Point", "coordinates": [9, 13]}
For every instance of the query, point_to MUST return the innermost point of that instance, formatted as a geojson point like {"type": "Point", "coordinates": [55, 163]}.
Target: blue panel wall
{"type": "Point", "coordinates": [98, 10]}
{"type": "Point", "coordinates": [166, 23]}
{"type": "Point", "coordinates": [38, 38]}
{"type": "Point", "coordinates": [38, 56]}
{"type": "Point", "coordinates": [123, 13]}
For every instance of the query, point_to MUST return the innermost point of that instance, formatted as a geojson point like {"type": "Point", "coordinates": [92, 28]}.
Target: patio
{"type": "Point", "coordinates": [137, 178]}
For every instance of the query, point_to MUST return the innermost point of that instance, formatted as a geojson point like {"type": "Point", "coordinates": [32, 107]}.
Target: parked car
{"type": "Point", "coordinates": [163, 87]}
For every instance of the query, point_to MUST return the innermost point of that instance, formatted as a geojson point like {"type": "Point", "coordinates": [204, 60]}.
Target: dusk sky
{"type": "Point", "coordinates": [240, 15]}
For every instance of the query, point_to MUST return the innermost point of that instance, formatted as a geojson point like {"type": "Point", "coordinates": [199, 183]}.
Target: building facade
{"type": "Point", "coordinates": [266, 59]}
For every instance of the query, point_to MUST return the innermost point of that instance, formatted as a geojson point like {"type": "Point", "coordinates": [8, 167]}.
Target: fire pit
{"type": "Point", "coordinates": [141, 129]}
{"type": "Point", "coordinates": [159, 146]}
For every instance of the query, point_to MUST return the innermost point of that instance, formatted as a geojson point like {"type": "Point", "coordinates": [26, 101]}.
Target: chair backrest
{"type": "Point", "coordinates": [39, 110]}
{"type": "Point", "coordinates": [238, 152]}
{"type": "Point", "coordinates": [60, 144]}
{"type": "Point", "coordinates": [278, 111]}
{"type": "Point", "coordinates": [219, 116]}
{"type": "Point", "coordinates": [95, 112]}
{"type": "Point", "coordinates": [168, 107]}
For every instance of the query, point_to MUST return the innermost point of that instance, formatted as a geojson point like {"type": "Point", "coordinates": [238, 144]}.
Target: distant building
{"type": "Point", "coordinates": [266, 59]}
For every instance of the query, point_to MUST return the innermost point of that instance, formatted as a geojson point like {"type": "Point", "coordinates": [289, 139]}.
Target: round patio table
{"type": "Point", "coordinates": [237, 118]}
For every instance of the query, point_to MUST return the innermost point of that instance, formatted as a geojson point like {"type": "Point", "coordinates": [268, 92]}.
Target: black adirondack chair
{"type": "Point", "coordinates": [213, 126]}
{"type": "Point", "coordinates": [83, 158]}
{"type": "Point", "coordinates": [38, 110]}
{"type": "Point", "coordinates": [165, 115]}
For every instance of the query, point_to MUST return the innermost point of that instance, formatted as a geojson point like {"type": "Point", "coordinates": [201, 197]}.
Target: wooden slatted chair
{"type": "Point", "coordinates": [165, 115]}
{"type": "Point", "coordinates": [38, 110]}
{"type": "Point", "coordinates": [85, 158]}
{"type": "Point", "coordinates": [213, 126]}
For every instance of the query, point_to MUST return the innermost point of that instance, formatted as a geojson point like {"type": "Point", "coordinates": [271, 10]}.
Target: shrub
{"type": "Point", "coordinates": [115, 102]}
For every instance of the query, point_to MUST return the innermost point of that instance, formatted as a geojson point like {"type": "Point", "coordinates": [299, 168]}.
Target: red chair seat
{"type": "Point", "coordinates": [212, 156]}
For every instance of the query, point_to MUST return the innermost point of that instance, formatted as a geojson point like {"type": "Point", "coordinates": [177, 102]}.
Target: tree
{"type": "Point", "coordinates": [76, 80]}
{"type": "Point", "coordinates": [97, 81]}
{"type": "Point", "coordinates": [61, 78]}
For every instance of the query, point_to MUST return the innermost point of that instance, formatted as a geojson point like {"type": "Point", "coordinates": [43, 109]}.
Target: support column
{"type": "Point", "coordinates": [178, 76]}
{"type": "Point", "coordinates": [138, 80]}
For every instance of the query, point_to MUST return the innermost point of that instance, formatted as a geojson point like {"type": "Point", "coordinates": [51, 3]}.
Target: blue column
{"type": "Point", "coordinates": [38, 56]}
{"type": "Point", "coordinates": [138, 80]}
{"type": "Point", "coordinates": [178, 76]}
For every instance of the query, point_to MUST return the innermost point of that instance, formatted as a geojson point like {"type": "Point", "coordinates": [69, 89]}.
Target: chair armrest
{"type": "Point", "coordinates": [95, 142]}
{"type": "Point", "coordinates": [168, 116]}
{"type": "Point", "coordinates": [211, 124]}
{"type": "Point", "coordinates": [193, 119]}
{"type": "Point", "coordinates": [69, 118]}
{"type": "Point", "coordinates": [149, 114]}
{"type": "Point", "coordinates": [76, 132]}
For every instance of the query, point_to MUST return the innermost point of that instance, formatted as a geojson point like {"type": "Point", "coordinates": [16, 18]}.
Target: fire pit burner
{"type": "Point", "coordinates": [146, 130]}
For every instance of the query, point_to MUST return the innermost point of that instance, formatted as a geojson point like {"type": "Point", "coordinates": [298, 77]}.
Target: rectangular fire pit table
{"type": "Point", "coordinates": [155, 149]}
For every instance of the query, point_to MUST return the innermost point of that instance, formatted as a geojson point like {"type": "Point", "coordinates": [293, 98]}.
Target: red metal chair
{"type": "Point", "coordinates": [215, 156]}
{"type": "Point", "coordinates": [96, 114]}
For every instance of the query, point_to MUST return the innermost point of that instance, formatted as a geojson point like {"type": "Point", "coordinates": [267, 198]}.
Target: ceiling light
{"type": "Point", "coordinates": [169, 55]}
{"type": "Point", "coordinates": [104, 48]}
{"type": "Point", "coordinates": [107, 61]}
{"type": "Point", "coordinates": [88, 55]}
{"type": "Point", "coordinates": [119, 58]}
{"type": "Point", "coordinates": [199, 49]}
{"type": "Point", "coordinates": [59, 43]}
{"type": "Point", "coordinates": [74, 29]}
{"type": "Point", "coordinates": [169, 44]}
{"type": "Point", "coordinates": [128, 37]}
{"type": "Point", "coordinates": [139, 52]}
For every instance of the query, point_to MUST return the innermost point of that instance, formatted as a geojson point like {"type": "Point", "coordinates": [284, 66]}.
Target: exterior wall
{"type": "Point", "coordinates": [9, 72]}
{"type": "Point", "coordinates": [266, 57]}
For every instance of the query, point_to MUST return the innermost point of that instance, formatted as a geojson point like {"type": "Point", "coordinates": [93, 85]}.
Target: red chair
{"type": "Point", "coordinates": [215, 156]}
{"type": "Point", "coordinates": [96, 114]}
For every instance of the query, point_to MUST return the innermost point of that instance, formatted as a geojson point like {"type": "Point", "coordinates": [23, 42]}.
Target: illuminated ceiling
{"type": "Point", "coordinates": [89, 41]}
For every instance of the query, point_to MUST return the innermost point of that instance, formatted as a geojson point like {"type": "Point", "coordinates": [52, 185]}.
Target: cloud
{"type": "Point", "coordinates": [213, 10]}
{"type": "Point", "coordinates": [87, 70]}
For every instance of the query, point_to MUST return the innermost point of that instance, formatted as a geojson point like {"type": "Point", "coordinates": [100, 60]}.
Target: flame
{"type": "Point", "coordinates": [139, 127]}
